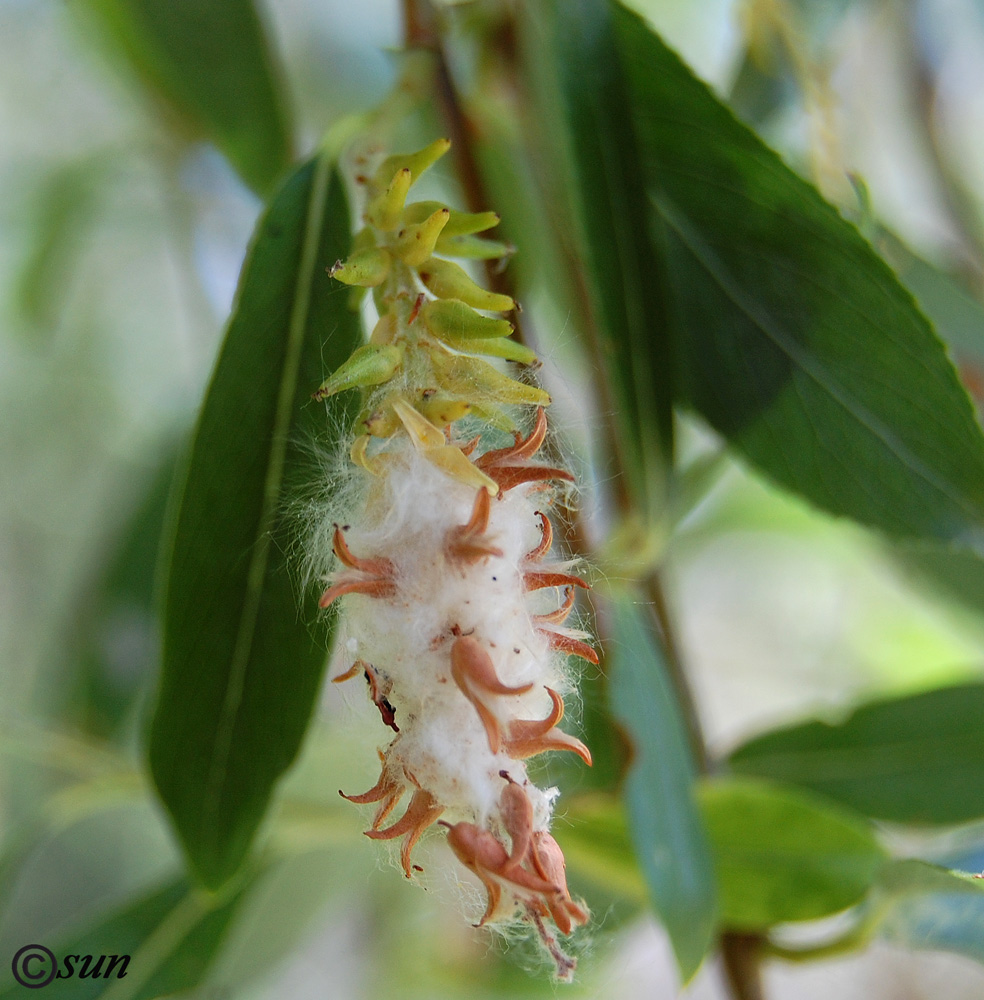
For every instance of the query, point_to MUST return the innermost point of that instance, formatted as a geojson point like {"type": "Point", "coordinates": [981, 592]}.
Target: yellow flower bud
{"type": "Point", "coordinates": [380, 421]}
{"type": "Point", "coordinates": [415, 243]}
{"type": "Point", "coordinates": [509, 350]}
{"type": "Point", "coordinates": [460, 223]}
{"type": "Point", "coordinates": [416, 163]}
{"type": "Point", "coordinates": [384, 210]}
{"type": "Point", "coordinates": [475, 379]}
{"type": "Point", "coordinates": [441, 409]}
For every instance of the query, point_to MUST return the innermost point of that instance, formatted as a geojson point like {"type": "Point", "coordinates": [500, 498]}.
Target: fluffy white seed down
{"type": "Point", "coordinates": [442, 745]}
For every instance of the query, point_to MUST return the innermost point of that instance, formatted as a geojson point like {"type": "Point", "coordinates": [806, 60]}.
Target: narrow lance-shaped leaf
{"type": "Point", "coordinates": [243, 655]}
{"type": "Point", "coordinates": [917, 759]}
{"type": "Point", "coordinates": [667, 833]}
{"type": "Point", "coordinates": [210, 62]}
{"type": "Point", "coordinates": [574, 72]}
{"type": "Point", "coordinates": [794, 339]}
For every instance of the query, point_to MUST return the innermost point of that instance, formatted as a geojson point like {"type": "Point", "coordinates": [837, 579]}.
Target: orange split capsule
{"type": "Point", "coordinates": [474, 673]}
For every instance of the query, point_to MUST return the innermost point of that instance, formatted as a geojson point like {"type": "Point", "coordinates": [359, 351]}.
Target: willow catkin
{"type": "Point", "coordinates": [454, 600]}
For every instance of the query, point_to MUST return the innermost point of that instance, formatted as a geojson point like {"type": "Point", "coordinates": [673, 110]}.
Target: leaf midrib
{"type": "Point", "coordinates": [676, 219]}
{"type": "Point", "coordinates": [260, 552]}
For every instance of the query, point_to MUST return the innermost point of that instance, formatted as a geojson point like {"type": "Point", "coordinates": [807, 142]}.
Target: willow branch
{"type": "Point", "coordinates": [741, 953]}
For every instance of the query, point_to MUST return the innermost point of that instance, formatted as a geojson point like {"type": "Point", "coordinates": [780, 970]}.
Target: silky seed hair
{"type": "Point", "coordinates": [453, 596]}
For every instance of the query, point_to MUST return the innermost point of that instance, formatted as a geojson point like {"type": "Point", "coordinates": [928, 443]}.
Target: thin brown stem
{"type": "Point", "coordinates": [422, 31]}
{"type": "Point", "coordinates": [741, 955]}
{"type": "Point", "coordinates": [417, 24]}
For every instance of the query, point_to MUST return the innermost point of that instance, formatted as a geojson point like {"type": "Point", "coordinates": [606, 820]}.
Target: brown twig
{"type": "Point", "coordinates": [422, 31]}
{"type": "Point", "coordinates": [742, 955]}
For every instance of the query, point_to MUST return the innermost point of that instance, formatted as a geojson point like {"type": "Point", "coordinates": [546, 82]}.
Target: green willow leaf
{"type": "Point", "coordinates": [782, 855]}
{"type": "Point", "coordinates": [917, 759]}
{"type": "Point", "coordinates": [243, 659]}
{"type": "Point", "coordinates": [666, 830]}
{"type": "Point", "coordinates": [795, 340]}
{"type": "Point", "coordinates": [924, 906]}
{"type": "Point", "coordinates": [574, 72]}
{"type": "Point", "coordinates": [210, 62]}
{"type": "Point", "coordinates": [171, 936]}
{"type": "Point", "coordinates": [909, 876]}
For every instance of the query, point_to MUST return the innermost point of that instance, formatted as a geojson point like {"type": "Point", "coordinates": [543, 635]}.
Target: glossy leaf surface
{"type": "Point", "coordinates": [576, 77]}
{"type": "Point", "coordinates": [795, 340]}
{"type": "Point", "coordinates": [243, 651]}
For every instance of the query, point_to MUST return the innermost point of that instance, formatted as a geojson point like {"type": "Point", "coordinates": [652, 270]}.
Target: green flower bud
{"type": "Point", "coordinates": [366, 268]}
{"type": "Point", "coordinates": [477, 380]}
{"type": "Point", "coordinates": [473, 247]}
{"type": "Point", "coordinates": [448, 281]}
{"type": "Point", "coordinates": [451, 320]}
{"type": "Point", "coordinates": [509, 350]}
{"type": "Point", "coordinates": [415, 243]}
{"type": "Point", "coordinates": [460, 223]}
{"type": "Point", "coordinates": [370, 364]}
